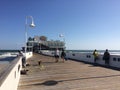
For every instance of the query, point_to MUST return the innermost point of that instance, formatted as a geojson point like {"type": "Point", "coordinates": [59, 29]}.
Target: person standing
{"type": "Point", "coordinates": [63, 54]}
{"type": "Point", "coordinates": [57, 54]}
{"type": "Point", "coordinates": [106, 57]}
{"type": "Point", "coordinates": [95, 53]}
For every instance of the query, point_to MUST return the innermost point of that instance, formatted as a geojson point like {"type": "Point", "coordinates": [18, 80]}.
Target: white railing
{"type": "Point", "coordinates": [10, 76]}
{"type": "Point", "coordinates": [28, 54]}
{"type": "Point", "coordinates": [88, 57]}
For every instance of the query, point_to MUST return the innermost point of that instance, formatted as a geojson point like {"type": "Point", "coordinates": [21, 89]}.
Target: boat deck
{"type": "Point", "coordinates": [70, 75]}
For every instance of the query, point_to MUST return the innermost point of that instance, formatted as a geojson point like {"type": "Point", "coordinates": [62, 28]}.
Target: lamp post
{"type": "Point", "coordinates": [62, 36]}
{"type": "Point", "coordinates": [26, 27]}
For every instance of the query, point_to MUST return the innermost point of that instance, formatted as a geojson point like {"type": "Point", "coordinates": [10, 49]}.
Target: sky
{"type": "Point", "coordinates": [85, 24]}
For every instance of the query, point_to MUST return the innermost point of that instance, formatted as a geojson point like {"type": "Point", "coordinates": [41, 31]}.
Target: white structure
{"type": "Point", "coordinates": [9, 77]}
{"type": "Point", "coordinates": [62, 36]}
{"type": "Point", "coordinates": [88, 57]}
{"type": "Point", "coordinates": [28, 54]}
{"type": "Point", "coordinates": [26, 26]}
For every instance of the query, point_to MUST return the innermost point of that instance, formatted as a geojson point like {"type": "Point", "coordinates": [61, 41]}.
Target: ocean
{"type": "Point", "coordinates": [15, 52]}
{"type": "Point", "coordinates": [115, 52]}
{"type": "Point", "coordinates": [6, 56]}
{"type": "Point", "coordinates": [4, 51]}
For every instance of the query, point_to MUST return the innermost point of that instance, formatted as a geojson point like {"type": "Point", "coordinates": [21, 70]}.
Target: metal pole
{"type": "Point", "coordinates": [40, 45]}
{"type": "Point", "coordinates": [62, 36]}
{"type": "Point", "coordinates": [26, 37]}
{"type": "Point", "coordinates": [26, 26]}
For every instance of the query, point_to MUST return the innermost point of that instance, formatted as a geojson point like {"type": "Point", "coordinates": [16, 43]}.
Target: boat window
{"type": "Point", "coordinates": [88, 56]}
{"type": "Point", "coordinates": [118, 59]}
{"type": "Point", "coordinates": [73, 54]}
{"type": "Point", "coordinates": [114, 59]}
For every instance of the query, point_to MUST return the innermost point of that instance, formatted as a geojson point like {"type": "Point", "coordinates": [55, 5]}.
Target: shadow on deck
{"type": "Point", "coordinates": [70, 75]}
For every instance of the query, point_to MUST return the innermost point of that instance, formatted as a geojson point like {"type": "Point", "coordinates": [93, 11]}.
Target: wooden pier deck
{"type": "Point", "coordinates": [70, 75]}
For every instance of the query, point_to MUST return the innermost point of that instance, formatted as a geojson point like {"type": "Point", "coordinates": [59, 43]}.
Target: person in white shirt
{"type": "Point", "coordinates": [57, 54]}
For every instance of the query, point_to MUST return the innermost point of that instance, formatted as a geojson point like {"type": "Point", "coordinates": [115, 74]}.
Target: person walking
{"type": "Point", "coordinates": [106, 57]}
{"type": "Point", "coordinates": [95, 53]}
{"type": "Point", "coordinates": [63, 54]}
{"type": "Point", "coordinates": [57, 54]}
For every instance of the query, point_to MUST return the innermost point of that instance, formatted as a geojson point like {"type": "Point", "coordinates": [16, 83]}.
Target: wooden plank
{"type": "Point", "coordinates": [70, 75]}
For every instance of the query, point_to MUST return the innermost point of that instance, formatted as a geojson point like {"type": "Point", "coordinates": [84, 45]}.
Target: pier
{"type": "Point", "coordinates": [70, 75]}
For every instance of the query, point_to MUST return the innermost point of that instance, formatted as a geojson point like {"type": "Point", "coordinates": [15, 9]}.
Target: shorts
{"type": "Point", "coordinates": [56, 56]}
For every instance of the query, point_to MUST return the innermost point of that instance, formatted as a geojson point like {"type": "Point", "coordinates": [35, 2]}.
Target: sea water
{"type": "Point", "coordinates": [6, 56]}
{"type": "Point", "coordinates": [112, 52]}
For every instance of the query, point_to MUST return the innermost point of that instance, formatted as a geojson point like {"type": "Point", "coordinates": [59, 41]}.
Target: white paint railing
{"type": "Point", "coordinates": [28, 54]}
{"type": "Point", "coordinates": [88, 57]}
{"type": "Point", "coordinates": [9, 77]}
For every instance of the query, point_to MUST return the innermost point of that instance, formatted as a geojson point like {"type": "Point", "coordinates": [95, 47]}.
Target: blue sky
{"type": "Point", "coordinates": [85, 24]}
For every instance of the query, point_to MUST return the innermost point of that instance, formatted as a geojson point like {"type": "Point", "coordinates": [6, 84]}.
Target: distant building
{"type": "Point", "coordinates": [41, 43]}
